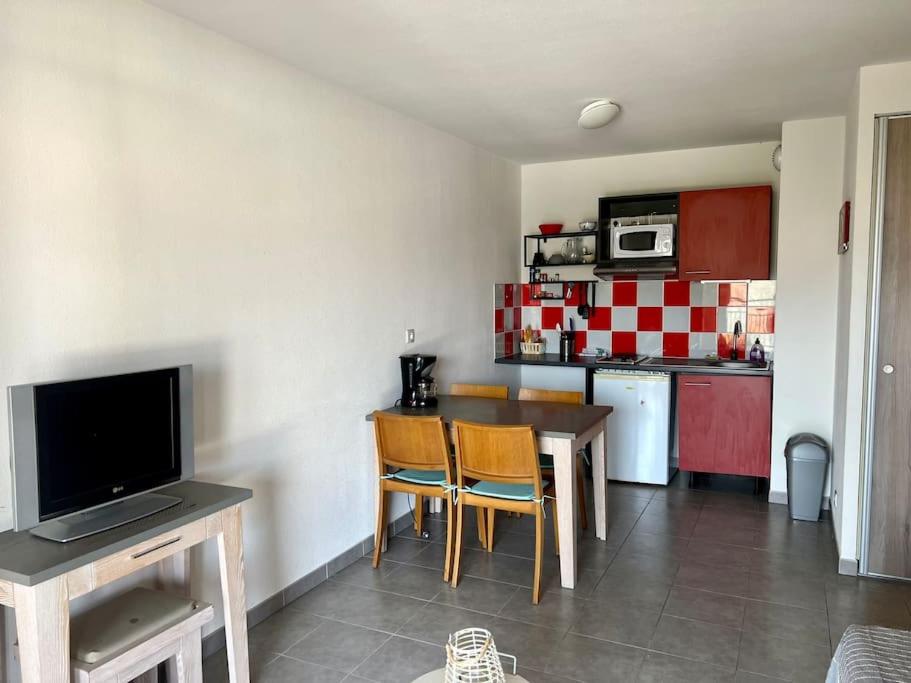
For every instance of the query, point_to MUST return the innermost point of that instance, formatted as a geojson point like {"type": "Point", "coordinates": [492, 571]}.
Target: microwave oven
{"type": "Point", "coordinates": [641, 241]}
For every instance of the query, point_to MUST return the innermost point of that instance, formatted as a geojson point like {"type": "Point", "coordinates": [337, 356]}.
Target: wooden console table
{"type": "Point", "coordinates": [38, 578]}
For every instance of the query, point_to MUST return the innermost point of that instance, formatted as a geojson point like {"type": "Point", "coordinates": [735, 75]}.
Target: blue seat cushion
{"type": "Point", "coordinates": [507, 491]}
{"type": "Point", "coordinates": [426, 477]}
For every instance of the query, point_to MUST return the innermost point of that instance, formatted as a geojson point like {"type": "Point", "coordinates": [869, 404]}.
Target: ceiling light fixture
{"type": "Point", "coordinates": [597, 114]}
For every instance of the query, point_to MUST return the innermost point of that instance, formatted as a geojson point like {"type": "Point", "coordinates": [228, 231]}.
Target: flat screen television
{"type": "Point", "coordinates": [87, 453]}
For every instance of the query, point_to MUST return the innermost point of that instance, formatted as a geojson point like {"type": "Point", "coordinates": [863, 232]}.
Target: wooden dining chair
{"type": "Point", "coordinates": [497, 468]}
{"type": "Point", "coordinates": [547, 459]}
{"type": "Point", "coordinates": [498, 391]}
{"type": "Point", "coordinates": [413, 457]}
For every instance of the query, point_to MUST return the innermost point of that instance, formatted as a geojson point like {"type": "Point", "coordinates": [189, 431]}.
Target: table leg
{"type": "Point", "coordinates": [231, 564]}
{"type": "Point", "coordinates": [43, 625]}
{"type": "Point", "coordinates": [173, 577]}
{"type": "Point", "coordinates": [599, 477]}
{"type": "Point", "coordinates": [567, 507]}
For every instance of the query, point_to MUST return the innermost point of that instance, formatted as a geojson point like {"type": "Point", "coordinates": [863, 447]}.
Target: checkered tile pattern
{"type": "Point", "coordinates": [655, 317]}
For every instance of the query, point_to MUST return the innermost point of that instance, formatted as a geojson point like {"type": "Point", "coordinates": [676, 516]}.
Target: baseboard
{"type": "Point", "coordinates": [847, 566]}
{"type": "Point", "coordinates": [215, 641]}
{"type": "Point", "coordinates": [781, 498]}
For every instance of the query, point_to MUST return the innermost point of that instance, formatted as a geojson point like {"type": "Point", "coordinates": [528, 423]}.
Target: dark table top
{"type": "Point", "coordinates": [677, 365]}
{"type": "Point", "coordinates": [28, 560]}
{"type": "Point", "coordinates": [557, 420]}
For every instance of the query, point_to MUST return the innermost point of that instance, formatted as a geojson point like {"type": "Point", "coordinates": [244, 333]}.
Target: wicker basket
{"type": "Point", "coordinates": [533, 348]}
{"type": "Point", "coordinates": [471, 657]}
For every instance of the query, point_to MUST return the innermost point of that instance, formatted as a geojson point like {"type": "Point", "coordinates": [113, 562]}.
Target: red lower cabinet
{"type": "Point", "coordinates": [724, 424]}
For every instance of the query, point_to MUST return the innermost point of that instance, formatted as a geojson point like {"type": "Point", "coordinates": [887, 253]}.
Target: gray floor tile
{"type": "Point", "coordinates": [506, 568]}
{"type": "Point", "coordinates": [435, 622]}
{"type": "Point", "coordinates": [533, 645]}
{"type": "Point", "coordinates": [789, 659]}
{"type": "Point", "coordinates": [338, 646]}
{"type": "Point", "coordinates": [358, 606]}
{"type": "Point", "coordinates": [646, 592]}
{"type": "Point", "coordinates": [401, 659]}
{"type": "Point", "coordinates": [534, 676]}
{"type": "Point", "coordinates": [279, 632]}
{"type": "Point", "coordinates": [557, 609]}
{"type": "Point", "coordinates": [719, 554]}
{"type": "Point", "coordinates": [747, 677]}
{"type": "Point", "coordinates": [402, 549]}
{"type": "Point", "coordinates": [619, 527]}
{"type": "Point", "coordinates": [785, 590]}
{"type": "Point", "coordinates": [651, 566]}
{"type": "Point", "coordinates": [871, 616]}
{"type": "Point", "coordinates": [669, 523]}
{"type": "Point", "coordinates": [727, 580]}
{"type": "Point", "coordinates": [661, 668]}
{"type": "Point", "coordinates": [520, 545]}
{"type": "Point", "coordinates": [595, 661]}
{"type": "Point", "coordinates": [714, 608]}
{"type": "Point", "coordinates": [433, 556]}
{"type": "Point", "coordinates": [286, 670]}
{"type": "Point", "coordinates": [697, 640]}
{"type": "Point", "coordinates": [619, 621]}
{"type": "Point", "coordinates": [480, 595]}
{"type": "Point", "coordinates": [725, 532]}
{"type": "Point", "coordinates": [594, 554]}
{"type": "Point", "coordinates": [783, 621]}
{"type": "Point", "coordinates": [658, 545]}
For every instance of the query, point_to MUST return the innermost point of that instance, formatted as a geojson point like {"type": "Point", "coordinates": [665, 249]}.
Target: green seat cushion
{"type": "Point", "coordinates": [507, 491]}
{"type": "Point", "coordinates": [546, 461]}
{"type": "Point", "coordinates": [427, 477]}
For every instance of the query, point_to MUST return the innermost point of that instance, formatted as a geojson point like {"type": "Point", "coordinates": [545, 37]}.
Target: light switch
{"type": "Point", "coordinates": [409, 336]}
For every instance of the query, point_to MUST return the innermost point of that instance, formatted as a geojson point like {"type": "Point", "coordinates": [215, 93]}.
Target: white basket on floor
{"type": "Point", "coordinates": [471, 657]}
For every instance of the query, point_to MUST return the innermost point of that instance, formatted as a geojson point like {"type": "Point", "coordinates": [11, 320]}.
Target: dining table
{"type": "Point", "coordinates": [561, 430]}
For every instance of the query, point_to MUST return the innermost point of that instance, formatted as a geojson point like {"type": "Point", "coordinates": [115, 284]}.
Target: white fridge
{"type": "Point", "coordinates": [639, 440]}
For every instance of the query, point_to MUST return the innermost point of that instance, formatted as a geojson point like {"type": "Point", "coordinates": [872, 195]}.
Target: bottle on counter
{"type": "Point", "coordinates": [757, 353]}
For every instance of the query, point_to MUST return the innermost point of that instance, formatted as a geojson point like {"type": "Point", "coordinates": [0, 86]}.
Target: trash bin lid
{"type": "Point", "coordinates": [806, 446]}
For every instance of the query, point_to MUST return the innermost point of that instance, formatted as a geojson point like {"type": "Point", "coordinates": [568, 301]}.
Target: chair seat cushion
{"type": "Point", "coordinates": [427, 477]}
{"type": "Point", "coordinates": [506, 491]}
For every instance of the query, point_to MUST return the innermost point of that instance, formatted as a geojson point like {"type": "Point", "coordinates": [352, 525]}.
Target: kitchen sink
{"type": "Point", "coordinates": [741, 364]}
{"type": "Point", "coordinates": [708, 363]}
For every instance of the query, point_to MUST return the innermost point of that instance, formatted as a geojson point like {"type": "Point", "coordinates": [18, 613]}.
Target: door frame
{"type": "Point", "coordinates": [871, 365]}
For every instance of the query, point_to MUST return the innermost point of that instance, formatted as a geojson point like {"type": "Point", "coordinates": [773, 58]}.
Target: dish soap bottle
{"type": "Point", "coordinates": [757, 353]}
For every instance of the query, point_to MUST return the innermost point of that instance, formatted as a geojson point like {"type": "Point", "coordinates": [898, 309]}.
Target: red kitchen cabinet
{"type": "Point", "coordinates": [724, 424]}
{"type": "Point", "coordinates": [725, 234]}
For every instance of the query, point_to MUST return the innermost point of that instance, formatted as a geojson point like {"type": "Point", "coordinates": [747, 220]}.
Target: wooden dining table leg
{"type": "Point", "coordinates": [43, 627]}
{"type": "Point", "coordinates": [231, 564]}
{"type": "Point", "coordinates": [567, 508]}
{"type": "Point", "coordinates": [599, 477]}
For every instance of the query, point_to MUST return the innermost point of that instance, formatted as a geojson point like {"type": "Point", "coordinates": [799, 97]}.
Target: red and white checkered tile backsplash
{"type": "Point", "coordinates": [653, 317]}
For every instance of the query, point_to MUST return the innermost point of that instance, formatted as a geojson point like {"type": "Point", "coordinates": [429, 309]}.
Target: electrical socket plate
{"type": "Point", "coordinates": [409, 336]}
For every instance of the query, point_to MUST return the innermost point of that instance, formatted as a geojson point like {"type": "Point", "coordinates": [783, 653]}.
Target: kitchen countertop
{"type": "Point", "coordinates": [678, 365]}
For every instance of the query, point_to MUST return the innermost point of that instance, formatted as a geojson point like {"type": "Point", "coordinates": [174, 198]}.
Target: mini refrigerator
{"type": "Point", "coordinates": [638, 432]}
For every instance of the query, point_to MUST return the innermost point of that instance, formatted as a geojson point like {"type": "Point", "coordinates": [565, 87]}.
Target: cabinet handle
{"type": "Point", "coordinates": [165, 544]}
{"type": "Point", "coordinates": [698, 384]}
{"type": "Point", "coordinates": [697, 272]}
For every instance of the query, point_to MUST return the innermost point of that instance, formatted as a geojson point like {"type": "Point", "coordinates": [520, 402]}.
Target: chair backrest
{"type": "Point", "coordinates": [412, 442]}
{"type": "Point", "coordinates": [500, 453]}
{"type": "Point", "coordinates": [480, 390]}
{"type": "Point", "coordinates": [574, 397]}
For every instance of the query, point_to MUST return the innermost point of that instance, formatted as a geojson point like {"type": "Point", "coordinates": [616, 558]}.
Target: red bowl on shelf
{"type": "Point", "coordinates": [550, 228]}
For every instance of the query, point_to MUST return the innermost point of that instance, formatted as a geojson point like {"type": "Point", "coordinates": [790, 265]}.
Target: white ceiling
{"type": "Point", "coordinates": [511, 75]}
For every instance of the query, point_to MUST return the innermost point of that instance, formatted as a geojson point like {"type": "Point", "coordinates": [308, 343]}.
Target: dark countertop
{"type": "Point", "coordinates": [28, 560]}
{"type": "Point", "coordinates": [679, 365]}
{"type": "Point", "coordinates": [556, 420]}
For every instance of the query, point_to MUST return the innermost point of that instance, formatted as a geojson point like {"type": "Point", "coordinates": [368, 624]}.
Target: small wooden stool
{"type": "Point", "coordinates": [127, 637]}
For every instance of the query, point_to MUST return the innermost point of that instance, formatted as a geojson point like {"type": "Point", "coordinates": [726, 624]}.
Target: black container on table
{"type": "Point", "coordinates": [567, 344]}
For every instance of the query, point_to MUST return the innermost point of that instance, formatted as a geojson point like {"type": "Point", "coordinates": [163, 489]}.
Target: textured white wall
{"type": "Point", "coordinates": [881, 89]}
{"type": "Point", "coordinates": [807, 284]}
{"type": "Point", "coordinates": [169, 196]}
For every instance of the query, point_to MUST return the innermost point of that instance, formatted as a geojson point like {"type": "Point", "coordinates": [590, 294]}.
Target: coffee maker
{"type": "Point", "coordinates": [419, 390]}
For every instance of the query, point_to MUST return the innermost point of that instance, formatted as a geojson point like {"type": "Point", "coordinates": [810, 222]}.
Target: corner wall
{"type": "Point", "coordinates": [170, 196]}
{"type": "Point", "coordinates": [806, 303]}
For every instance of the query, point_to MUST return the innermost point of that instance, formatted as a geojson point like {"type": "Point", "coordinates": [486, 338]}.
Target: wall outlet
{"type": "Point", "coordinates": [835, 498]}
{"type": "Point", "coordinates": [409, 336]}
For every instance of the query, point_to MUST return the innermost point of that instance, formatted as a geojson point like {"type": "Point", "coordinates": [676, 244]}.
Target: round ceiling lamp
{"type": "Point", "coordinates": [597, 114]}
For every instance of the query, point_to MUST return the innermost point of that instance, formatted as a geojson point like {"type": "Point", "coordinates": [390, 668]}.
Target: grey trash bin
{"type": "Point", "coordinates": [807, 456]}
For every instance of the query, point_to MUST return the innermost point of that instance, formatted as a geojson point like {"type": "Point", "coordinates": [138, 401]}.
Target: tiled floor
{"type": "Point", "coordinates": [690, 586]}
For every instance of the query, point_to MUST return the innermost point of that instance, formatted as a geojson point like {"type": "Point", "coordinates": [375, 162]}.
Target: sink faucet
{"type": "Point", "coordinates": [738, 331]}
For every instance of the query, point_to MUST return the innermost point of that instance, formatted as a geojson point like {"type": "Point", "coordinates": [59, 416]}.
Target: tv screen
{"type": "Point", "coordinates": [98, 440]}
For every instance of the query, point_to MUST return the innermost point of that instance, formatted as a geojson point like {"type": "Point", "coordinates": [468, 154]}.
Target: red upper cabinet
{"type": "Point", "coordinates": [725, 234]}
{"type": "Point", "coordinates": [724, 424]}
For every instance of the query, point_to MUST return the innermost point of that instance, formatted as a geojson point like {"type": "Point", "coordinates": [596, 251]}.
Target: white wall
{"type": "Point", "coordinates": [169, 196]}
{"type": "Point", "coordinates": [807, 285]}
{"type": "Point", "coordinates": [881, 89]}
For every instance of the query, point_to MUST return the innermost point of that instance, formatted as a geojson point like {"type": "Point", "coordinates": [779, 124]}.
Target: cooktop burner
{"type": "Point", "coordinates": [623, 358]}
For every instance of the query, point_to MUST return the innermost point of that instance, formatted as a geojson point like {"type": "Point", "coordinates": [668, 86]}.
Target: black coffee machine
{"type": "Point", "coordinates": [419, 390]}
